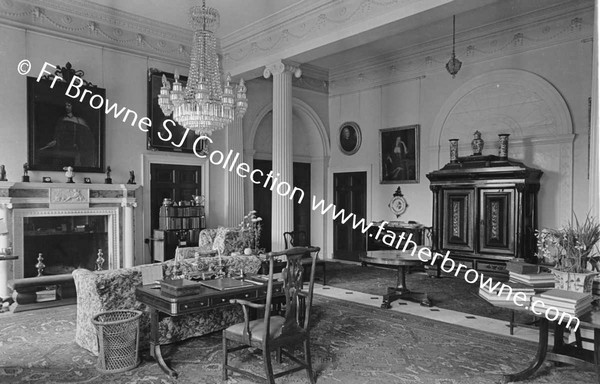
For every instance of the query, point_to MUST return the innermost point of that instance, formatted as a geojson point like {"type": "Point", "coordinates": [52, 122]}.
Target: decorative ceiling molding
{"type": "Point", "coordinates": [508, 37]}
{"type": "Point", "coordinates": [85, 21]}
{"type": "Point", "coordinates": [303, 27]}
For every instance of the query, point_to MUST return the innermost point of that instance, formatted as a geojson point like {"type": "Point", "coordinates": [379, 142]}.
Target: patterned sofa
{"type": "Point", "coordinates": [115, 289]}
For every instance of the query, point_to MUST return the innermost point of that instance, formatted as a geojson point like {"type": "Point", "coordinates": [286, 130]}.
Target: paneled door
{"type": "Point", "coordinates": [497, 227]}
{"type": "Point", "coordinates": [350, 194]}
{"type": "Point", "coordinates": [459, 219]}
{"type": "Point", "coordinates": [262, 201]}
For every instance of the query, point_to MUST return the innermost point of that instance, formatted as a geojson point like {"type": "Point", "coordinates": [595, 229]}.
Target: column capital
{"type": "Point", "coordinates": [6, 205]}
{"type": "Point", "coordinates": [280, 67]}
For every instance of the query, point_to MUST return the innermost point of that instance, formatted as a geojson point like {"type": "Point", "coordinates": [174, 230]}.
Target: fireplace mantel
{"type": "Point", "coordinates": [19, 200]}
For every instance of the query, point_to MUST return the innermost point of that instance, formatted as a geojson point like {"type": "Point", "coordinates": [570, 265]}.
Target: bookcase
{"type": "Point", "coordinates": [178, 226]}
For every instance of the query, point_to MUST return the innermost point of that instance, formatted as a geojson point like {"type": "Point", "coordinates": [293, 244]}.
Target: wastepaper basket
{"type": "Point", "coordinates": [118, 339]}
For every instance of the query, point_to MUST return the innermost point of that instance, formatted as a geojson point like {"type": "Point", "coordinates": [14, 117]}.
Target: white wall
{"type": "Point", "coordinates": [124, 76]}
{"type": "Point", "coordinates": [565, 65]}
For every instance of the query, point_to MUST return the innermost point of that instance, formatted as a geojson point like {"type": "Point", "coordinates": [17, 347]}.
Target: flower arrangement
{"type": "Point", "coordinates": [571, 246]}
{"type": "Point", "coordinates": [250, 229]}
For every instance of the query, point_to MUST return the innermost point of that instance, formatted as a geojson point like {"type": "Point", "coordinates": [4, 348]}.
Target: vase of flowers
{"type": "Point", "coordinates": [250, 229]}
{"type": "Point", "coordinates": [571, 249]}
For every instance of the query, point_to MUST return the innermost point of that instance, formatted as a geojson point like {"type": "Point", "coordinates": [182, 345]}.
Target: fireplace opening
{"type": "Point", "coordinates": [65, 242]}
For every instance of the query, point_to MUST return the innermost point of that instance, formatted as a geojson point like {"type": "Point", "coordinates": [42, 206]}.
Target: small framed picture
{"type": "Point", "coordinates": [349, 138]}
{"type": "Point", "coordinates": [46, 179]}
{"type": "Point", "coordinates": [87, 180]}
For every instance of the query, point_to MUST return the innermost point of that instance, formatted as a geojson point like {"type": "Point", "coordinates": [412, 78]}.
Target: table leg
{"type": "Point", "coordinates": [155, 350]}
{"type": "Point", "coordinates": [400, 291]}
{"type": "Point", "coordinates": [540, 355]}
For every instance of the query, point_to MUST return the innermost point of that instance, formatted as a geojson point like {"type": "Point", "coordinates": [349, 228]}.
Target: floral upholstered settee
{"type": "Point", "coordinates": [222, 240]}
{"type": "Point", "coordinates": [115, 289]}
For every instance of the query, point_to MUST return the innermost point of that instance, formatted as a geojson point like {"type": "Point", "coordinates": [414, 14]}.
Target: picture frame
{"type": "Point", "coordinates": [349, 138]}
{"type": "Point", "coordinates": [156, 115]}
{"type": "Point", "coordinates": [62, 131]}
{"type": "Point", "coordinates": [399, 155]}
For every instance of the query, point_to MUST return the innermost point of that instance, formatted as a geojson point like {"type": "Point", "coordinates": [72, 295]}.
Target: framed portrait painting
{"type": "Point", "coordinates": [399, 155]}
{"type": "Point", "coordinates": [179, 141]}
{"type": "Point", "coordinates": [349, 138]}
{"type": "Point", "coordinates": [62, 131]}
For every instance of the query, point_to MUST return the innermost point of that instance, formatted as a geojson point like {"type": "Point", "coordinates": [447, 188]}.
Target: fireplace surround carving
{"type": "Point", "coordinates": [21, 201]}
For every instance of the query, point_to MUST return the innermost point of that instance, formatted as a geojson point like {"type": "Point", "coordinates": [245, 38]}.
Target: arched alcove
{"type": "Point", "coordinates": [533, 112]}
{"type": "Point", "coordinates": [311, 145]}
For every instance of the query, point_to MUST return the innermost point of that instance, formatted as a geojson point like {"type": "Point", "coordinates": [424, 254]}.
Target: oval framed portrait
{"type": "Point", "coordinates": [349, 138]}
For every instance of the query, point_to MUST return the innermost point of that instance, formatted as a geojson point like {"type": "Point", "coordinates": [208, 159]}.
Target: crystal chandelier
{"type": "Point", "coordinates": [453, 65]}
{"type": "Point", "coordinates": [204, 104]}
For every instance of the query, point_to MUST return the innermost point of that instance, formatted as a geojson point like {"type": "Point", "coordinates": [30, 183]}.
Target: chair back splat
{"type": "Point", "coordinates": [274, 332]}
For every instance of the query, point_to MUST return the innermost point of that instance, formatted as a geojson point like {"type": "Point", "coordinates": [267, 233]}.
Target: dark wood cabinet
{"type": "Point", "coordinates": [485, 211]}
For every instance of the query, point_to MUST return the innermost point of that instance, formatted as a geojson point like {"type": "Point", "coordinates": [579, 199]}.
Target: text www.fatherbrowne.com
{"type": "Point", "coordinates": [284, 189]}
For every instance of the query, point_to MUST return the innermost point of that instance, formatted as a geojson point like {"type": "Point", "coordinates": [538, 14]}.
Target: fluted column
{"type": "Point", "coordinates": [128, 243]}
{"type": "Point", "coordinates": [235, 183]}
{"type": "Point", "coordinates": [282, 212]}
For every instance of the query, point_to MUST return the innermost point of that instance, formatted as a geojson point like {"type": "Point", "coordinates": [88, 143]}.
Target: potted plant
{"type": "Point", "coordinates": [571, 249]}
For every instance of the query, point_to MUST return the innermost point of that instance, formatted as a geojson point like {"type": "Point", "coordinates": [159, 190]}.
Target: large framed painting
{"type": "Point", "coordinates": [178, 142]}
{"type": "Point", "coordinates": [399, 155]}
{"type": "Point", "coordinates": [62, 131]}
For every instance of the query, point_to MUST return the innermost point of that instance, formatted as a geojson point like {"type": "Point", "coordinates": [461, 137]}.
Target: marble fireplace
{"type": "Point", "coordinates": [67, 224]}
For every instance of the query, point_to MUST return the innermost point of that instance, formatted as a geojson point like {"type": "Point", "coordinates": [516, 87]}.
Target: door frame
{"type": "Point", "coordinates": [176, 159]}
{"type": "Point", "coordinates": [369, 203]}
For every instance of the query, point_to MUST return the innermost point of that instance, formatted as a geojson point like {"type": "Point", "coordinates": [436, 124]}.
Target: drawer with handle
{"type": "Point", "coordinates": [251, 295]}
{"type": "Point", "coordinates": [193, 305]}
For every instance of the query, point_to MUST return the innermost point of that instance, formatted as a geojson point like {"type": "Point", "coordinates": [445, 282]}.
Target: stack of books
{"type": "Point", "coordinates": [572, 303]}
{"type": "Point", "coordinates": [499, 296]}
{"type": "Point", "coordinates": [535, 280]}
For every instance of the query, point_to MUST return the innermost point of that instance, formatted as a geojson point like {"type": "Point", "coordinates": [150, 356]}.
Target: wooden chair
{"type": "Point", "coordinates": [298, 238]}
{"type": "Point", "coordinates": [283, 332]}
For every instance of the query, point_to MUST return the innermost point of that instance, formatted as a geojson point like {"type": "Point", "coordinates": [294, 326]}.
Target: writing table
{"type": "Point", "coordinates": [561, 352]}
{"type": "Point", "coordinates": [206, 298]}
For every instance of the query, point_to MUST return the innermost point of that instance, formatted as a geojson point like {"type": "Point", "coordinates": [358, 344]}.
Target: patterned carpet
{"type": "Point", "coordinates": [352, 343]}
{"type": "Point", "coordinates": [448, 292]}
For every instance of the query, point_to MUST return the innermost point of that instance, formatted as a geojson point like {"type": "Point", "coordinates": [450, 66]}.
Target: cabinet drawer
{"type": "Point", "coordinates": [225, 299]}
{"type": "Point", "coordinates": [193, 305]}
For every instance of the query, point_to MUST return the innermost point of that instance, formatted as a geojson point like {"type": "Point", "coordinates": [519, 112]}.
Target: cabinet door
{"type": "Point", "coordinates": [497, 221]}
{"type": "Point", "coordinates": [458, 218]}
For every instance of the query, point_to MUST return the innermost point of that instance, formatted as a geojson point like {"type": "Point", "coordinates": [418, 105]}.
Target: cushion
{"type": "Point", "coordinates": [190, 252]}
{"type": "Point", "coordinates": [226, 240]}
{"type": "Point", "coordinates": [257, 328]}
{"type": "Point", "coordinates": [207, 237]}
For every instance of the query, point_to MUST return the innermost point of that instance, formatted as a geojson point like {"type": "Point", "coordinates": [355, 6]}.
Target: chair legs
{"type": "Point", "coordinates": [309, 370]}
{"type": "Point", "coordinates": [268, 365]}
{"type": "Point", "coordinates": [224, 359]}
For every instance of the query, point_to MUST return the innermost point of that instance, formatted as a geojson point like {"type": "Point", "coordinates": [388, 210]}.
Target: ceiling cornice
{"type": "Point", "coordinates": [88, 22]}
{"type": "Point", "coordinates": [558, 25]}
